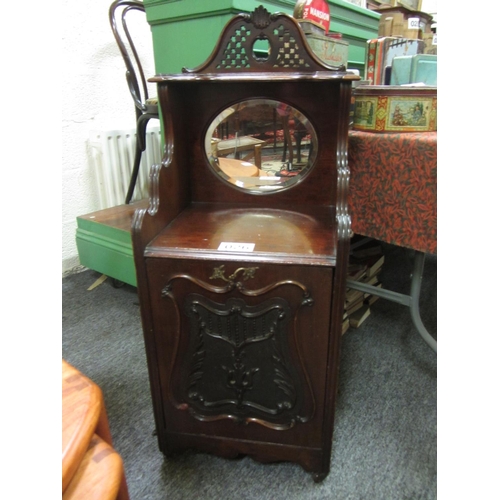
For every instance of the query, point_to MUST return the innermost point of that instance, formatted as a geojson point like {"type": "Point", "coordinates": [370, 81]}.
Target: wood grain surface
{"type": "Point", "coordinates": [99, 473]}
{"type": "Point", "coordinates": [81, 408]}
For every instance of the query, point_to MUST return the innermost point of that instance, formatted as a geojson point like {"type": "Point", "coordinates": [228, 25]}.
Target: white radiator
{"type": "Point", "coordinates": [113, 153]}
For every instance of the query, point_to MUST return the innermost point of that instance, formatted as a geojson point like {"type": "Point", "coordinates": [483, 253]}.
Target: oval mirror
{"type": "Point", "coordinates": [261, 145]}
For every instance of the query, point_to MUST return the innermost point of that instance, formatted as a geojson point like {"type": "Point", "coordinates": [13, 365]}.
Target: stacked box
{"type": "Point", "coordinates": [430, 43]}
{"type": "Point", "coordinates": [400, 21]}
{"type": "Point", "coordinates": [380, 54]}
{"type": "Point", "coordinates": [421, 68]}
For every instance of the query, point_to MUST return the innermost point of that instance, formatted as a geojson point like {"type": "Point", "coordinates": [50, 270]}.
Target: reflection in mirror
{"type": "Point", "coordinates": [261, 145]}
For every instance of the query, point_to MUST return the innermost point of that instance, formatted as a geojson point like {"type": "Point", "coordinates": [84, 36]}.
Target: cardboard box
{"type": "Point", "coordinates": [400, 21]}
{"type": "Point", "coordinates": [430, 43]}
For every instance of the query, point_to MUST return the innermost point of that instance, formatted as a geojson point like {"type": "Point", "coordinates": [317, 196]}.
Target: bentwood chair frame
{"type": "Point", "coordinates": [146, 108]}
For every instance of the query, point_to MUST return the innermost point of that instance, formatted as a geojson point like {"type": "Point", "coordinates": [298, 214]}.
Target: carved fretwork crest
{"type": "Point", "coordinates": [287, 48]}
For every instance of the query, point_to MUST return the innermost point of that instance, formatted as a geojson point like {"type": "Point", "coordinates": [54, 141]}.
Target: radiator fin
{"type": "Point", "coordinates": [113, 153]}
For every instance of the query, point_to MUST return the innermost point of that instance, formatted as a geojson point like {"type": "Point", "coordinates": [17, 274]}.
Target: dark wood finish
{"type": "Point", "coordinates": [119, 217]}
{"type": "Point", "coordinates": [243, 346]}
{"type": "Point", "coordinates": [288, 47]}
{"type": "Point", "coordinates": [286, 236]}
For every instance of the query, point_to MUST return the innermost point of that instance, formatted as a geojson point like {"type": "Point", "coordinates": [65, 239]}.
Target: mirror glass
{"type": "Point", "coordinates": [261, 145]}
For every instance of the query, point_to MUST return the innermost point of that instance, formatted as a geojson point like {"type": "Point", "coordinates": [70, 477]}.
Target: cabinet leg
{"type": "Point", "coordinates": [319, 477]}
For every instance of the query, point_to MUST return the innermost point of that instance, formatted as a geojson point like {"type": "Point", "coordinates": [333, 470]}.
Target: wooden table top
{"type": "Point", "coordinates": [240, 144]}
{"type": "Point", "coordinates": [99, 474]}
{"type": "Point", "coordinates": [237, 168]}
{"type": "Point", "coordinates": [82, 402]}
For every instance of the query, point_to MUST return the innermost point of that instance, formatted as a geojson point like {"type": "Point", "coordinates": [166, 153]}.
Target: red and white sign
{"type": "Point", "coordinates": [316, 11]}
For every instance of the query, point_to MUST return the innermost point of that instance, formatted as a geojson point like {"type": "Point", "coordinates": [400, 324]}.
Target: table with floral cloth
{"type": "Point", "coordinates": [393, 187]}
{"type": "Point", "coordinates": [393, 198]}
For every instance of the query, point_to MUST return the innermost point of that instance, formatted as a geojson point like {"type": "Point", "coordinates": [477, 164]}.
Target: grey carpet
{"type": "Point", "coordinates": [384, 445]}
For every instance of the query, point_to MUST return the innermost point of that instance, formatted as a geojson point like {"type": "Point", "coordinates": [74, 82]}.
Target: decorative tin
{"type": "Point", "coordinates": [420, 68]}
{"type": "Point", "coordinates": [380, 53]}
{"type": "Point", "coordinates": [316, 11]}
{"type": "Point", "coordinates": [387, 108]}
{"type": "Point", "coordinates": [332, 51]}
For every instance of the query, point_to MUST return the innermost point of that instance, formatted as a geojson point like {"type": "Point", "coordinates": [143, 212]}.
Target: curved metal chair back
{"type": "Point", "coordinates": [145, 107]}
{"type": "Point", "coordinates": [134, 73]}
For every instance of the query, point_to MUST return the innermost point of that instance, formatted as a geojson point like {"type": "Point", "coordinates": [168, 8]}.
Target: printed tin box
{"type": "Point", "coordinates": [387, 108]}
{"type": "Point", "coordinates": [332, 51]}
{"type": "Point", "coordinates": [420, 68]}
{"type": "Point", "coordinates": [330, 48]}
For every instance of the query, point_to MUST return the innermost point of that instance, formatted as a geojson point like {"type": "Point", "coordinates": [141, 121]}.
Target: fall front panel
{"type": "Point", "coordinates": [242, 344]}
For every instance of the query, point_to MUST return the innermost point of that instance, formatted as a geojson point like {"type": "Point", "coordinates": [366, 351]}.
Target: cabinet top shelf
{"type": "Point", "coordinates": [264, 235]}
{"type": "Point", "coordinates": [254, 77]}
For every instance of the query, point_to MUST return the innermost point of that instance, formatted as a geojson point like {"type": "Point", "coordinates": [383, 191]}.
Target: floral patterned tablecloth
{"type": "Point", "coordinates": [393, 187]}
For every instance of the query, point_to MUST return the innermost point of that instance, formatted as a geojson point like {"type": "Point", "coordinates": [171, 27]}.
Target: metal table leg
{"type": "Point", "coordinates": [412, 300]}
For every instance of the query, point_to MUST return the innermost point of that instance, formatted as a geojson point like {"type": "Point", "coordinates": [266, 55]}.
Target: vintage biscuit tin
{"type": "Point", "coordinates": [388, 108]}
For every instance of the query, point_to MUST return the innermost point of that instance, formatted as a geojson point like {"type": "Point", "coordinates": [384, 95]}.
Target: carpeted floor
{"type": "Point", "coordinates": [385, 426]}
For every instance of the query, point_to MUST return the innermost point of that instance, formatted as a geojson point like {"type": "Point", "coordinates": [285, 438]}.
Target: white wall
{"type": "Point", "coordinates": [94, 96]}
{"type": "Point", "coordinates": [430, 6]}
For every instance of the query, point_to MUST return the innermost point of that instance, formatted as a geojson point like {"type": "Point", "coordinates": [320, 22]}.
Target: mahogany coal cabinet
{"type": "Point", "coordinates": [241, 256]}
